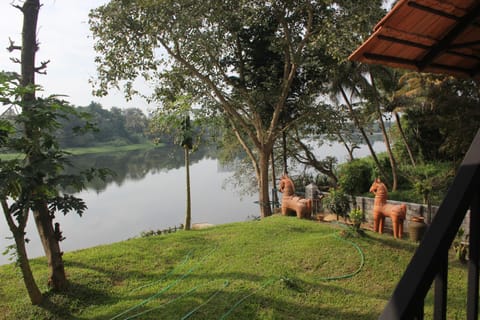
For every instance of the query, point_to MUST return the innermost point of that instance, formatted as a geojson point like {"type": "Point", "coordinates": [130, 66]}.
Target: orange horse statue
{"type": "Point", "coordinates": [292, 202]}
{"type": "Point", "coordinates": [382, 209]}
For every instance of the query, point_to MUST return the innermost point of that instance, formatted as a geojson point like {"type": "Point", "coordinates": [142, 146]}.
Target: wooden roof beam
{"type": "Point", "coordinates": [466, 72]}
{"type": "Point", "coordinates": [464, 55]}
{"type": "Point", "coordinates": [392, 59]}
{"type": "Point", "coordinates": [434, 11]}
{"type": "Point", "coordinates": [465, 45]}
{"type": "Point", "coordinates": [445, 43]}
{"type": "Point", "coordinates": [405, 42]}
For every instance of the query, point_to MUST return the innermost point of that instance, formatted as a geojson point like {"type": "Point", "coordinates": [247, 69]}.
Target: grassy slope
{"type": "Point", "coordinates": [269, 269]}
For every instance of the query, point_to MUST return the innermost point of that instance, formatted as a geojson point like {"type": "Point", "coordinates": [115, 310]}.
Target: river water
{"type": "Point", "coordinates": [148, 193]}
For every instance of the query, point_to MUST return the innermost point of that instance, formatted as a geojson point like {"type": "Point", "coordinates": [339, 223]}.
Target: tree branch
{"type": "Point", "coordinates": [290, 67]}
{"type": "Point", "coordinates": [245, 147]}
{"type": "Point", "coordinates": [8, 217]}
{"type": "Point", "coordinates": [18, 7]}
{"type": "Point", "coordinates": [43, 65]}
{"type": "Point", "coordinates": [12, 46]}
{"type": "Point", "coordinates": [15, 60]}
{"type": "Point", "coordinates": [216, 91]}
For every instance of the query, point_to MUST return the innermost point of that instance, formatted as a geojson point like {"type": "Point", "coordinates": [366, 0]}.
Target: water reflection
{"type": "Point", "coordinates": [148, 193]}
{"type": "Point", "coordinates": [135, 165]}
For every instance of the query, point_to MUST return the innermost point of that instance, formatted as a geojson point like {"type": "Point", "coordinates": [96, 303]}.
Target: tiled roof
{"type": "Point", "coordinates": [428, 36]}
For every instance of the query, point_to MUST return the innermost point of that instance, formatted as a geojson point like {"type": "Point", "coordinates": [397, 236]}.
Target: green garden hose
{"type": "Point", "coordinates": [354, 273]}
{"type": "Point", "coordinates": [185, 260]}
{"type": "Point", "coordinates": [162, 305]}
{"type": "Point", "coordinates": [226, 314]}
{"type": "Point", "coordinates": [165, 289]}
{"type": "Point", "coordinates": [350, 275]}
{"type": "Point", "coordinates": [226, 283]}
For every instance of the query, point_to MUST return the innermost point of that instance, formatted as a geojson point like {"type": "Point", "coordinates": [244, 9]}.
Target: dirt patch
{"type": "Point", "coordinates": [203, 225]}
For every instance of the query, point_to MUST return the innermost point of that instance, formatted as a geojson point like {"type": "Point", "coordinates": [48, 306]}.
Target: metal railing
{"type": "Point", "coordinates": [429, 265]}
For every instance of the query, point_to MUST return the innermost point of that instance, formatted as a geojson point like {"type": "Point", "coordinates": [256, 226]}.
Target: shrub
{"type": "Point", "coordinates": [357, 217]}
{"type": "Point", "coordinates": [355, 177]}
{"type": "Point", "coordinates": [337, 201]}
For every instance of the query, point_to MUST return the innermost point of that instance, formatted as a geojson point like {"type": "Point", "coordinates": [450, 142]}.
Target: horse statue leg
{"type": "Point", "coordinates": [400, 229]}
{"type": "Point", "coordinates": [378, 221]}
{"type": "Point", "coordinates": [395, 226]}
{"type": "Point", "coordinates": [381, 224]}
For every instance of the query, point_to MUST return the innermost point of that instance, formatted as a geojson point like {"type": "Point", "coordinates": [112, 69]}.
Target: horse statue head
{"type": "Point", "coordinates": [286, 185]}
{"type": "Point", "coordinates": [378, 188]}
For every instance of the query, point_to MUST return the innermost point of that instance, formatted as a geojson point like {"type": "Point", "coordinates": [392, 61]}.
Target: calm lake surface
{"type": "Point", "coordinates": [148, 193]}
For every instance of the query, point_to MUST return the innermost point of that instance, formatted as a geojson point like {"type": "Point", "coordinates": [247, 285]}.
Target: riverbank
{"type": "Point", "coordinates": [95, 149]}
{"type": "Point", "coordinates": [278, 267]}
{"type": "Point", "coordinates": [112, 148]}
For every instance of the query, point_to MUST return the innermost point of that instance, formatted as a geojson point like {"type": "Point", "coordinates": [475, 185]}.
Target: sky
{"type": "Point", "coordinates": [66, 41]}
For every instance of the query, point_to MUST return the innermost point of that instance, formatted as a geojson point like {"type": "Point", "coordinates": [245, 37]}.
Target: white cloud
{"type": "Point", "coordinates": [65, 40]}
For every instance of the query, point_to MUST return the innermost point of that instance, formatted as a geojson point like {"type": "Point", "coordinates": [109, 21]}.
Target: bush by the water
{"type": "Point", "coordinates": [355, 177]}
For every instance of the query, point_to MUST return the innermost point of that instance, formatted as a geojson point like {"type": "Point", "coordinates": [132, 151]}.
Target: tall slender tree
{"type": "Point", "coordinates": [174, 119]}
{"type": "Point", "coordinates": [32, 184]}
{"type": "Point", "coordinates": [344, 84]}
{"type": "Point", "coordinates": [41, 214]}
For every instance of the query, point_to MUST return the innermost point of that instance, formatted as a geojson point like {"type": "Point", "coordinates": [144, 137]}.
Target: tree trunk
{"type": "Point", "coordinates": [57, 279]}
{"type": "Point", "coordinates": [345, 144]}
{"type": "Point", "coordinates": [22, 259]}
{"type": "Point", "coordinates": [362, 131]}
{"type": "Point", "coordinates": [264, 196]}
{"type": "Point", "coordinates": [274, 182]}
{"type": "Point", "coordinates": [188, 215]}
{"type": "Point", "coordinates": [393, 163]}
{"type": "Point", "coordinates": [29, 44]}
{"type": "Point", "coordinates": [404, 138]}
{"type": "Point", "coordinates": [30, 9]}
{"type": "Point", "coordinates": [284, 152]}
{"type": "Point", "coordinates": [33, 292]}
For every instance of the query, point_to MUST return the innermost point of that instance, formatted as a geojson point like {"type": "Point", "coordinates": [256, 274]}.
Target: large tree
{"type": "Point", "coordinates": [217, 48]}
{"type": "Point", "coordinates": [241, 56]}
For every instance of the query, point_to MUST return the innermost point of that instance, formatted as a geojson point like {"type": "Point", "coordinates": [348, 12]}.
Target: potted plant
{"type": "Point", "coordinates": [357, 217]}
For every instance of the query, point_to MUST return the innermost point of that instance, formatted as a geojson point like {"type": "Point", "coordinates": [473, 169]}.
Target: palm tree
{"type": "Point", "coordinates": [378, 98]}
{"type": "Point", "coordinates": [346, 83]}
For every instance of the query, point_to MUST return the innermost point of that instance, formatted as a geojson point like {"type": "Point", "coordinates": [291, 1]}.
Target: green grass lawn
{"type": "Point", "coordinates": [276, 268]}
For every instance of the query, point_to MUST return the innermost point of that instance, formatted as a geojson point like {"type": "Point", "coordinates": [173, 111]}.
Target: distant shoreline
{"type": "Point", "coordinates": [96, 149]}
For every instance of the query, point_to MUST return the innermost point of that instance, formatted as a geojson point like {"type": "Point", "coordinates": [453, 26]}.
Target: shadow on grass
{"type": "Point", "coordinates": [63, 305]}
{"type": "Point", "coordinates": [291, 300]}
{"type": "Point", "coordinates": [388, 240]}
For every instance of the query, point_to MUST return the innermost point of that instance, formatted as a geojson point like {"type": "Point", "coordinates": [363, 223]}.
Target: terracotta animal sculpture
{"type": "Point", "coordinates": [382, 209]}
{"type": "Point", "coordinates": [291, 202]}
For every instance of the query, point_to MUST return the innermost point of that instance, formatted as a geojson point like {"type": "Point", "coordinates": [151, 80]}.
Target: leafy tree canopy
{"type": "Point", "coordinates": [248, 59]}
